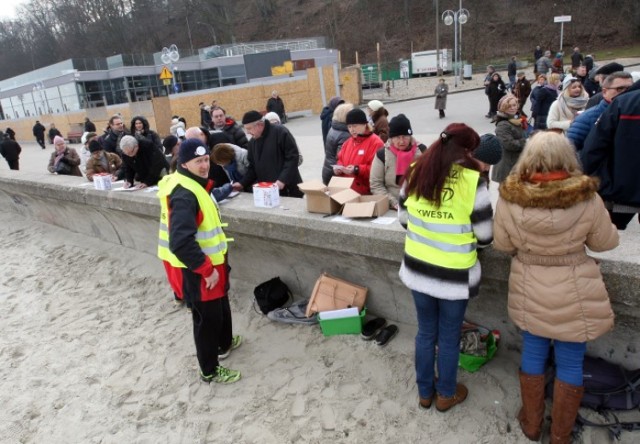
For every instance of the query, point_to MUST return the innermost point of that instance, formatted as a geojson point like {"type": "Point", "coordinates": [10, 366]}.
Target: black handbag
{"type": "Point", "coordinates": [271, 294]}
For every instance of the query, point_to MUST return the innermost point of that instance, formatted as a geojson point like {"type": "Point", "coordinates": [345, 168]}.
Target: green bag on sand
{"type": "Point", "coordinates": [478, 346]}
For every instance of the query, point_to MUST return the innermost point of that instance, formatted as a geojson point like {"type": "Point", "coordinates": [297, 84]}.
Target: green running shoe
{"type": "Point", "coordinates": [221, 376]}
{"type": "Point", "coordinates": [236, 341]}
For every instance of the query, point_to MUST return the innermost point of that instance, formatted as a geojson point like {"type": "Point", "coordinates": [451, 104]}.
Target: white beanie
{"type": "Point", "coordinates": [375, 105]}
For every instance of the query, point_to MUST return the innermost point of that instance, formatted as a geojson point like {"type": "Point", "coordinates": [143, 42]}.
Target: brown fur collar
{"type": "Point", "coordinates": [554, 194]}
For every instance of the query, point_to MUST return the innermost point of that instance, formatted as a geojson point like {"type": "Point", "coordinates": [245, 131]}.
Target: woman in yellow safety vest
{"type": "Point", "coordinates": [445, 207]}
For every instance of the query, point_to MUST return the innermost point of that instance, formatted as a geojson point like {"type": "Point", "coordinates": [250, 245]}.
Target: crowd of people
{"type": "Point", "coordinates": [566, 180]}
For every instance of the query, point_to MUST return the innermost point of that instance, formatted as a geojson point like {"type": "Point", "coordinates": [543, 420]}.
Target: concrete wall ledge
{"type": "Point", "coordinates": [298, 246]}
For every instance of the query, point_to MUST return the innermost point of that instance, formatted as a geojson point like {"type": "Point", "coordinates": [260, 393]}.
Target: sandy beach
{"type": "Point", "coordinates": [95, 351]}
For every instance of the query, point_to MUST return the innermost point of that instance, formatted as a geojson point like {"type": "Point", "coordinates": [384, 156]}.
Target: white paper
{"type": "Point", "coordinates": [340, 314]}
{"type": "Point", "coordinates": [342, 219]}
{"type": "Point", "coordinates": [384, 220]}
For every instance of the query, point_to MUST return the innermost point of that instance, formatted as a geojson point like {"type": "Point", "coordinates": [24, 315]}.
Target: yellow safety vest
{"type": "Point", "coordinates": [209, 236]}
{"type": "Point", "coordinates": [444, 236]}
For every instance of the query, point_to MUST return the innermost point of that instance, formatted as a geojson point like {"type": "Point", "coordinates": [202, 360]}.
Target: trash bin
{"type": "Point", "coordinates": [466, 72]}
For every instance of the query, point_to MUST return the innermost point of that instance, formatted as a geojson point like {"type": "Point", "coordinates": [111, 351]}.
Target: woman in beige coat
{"type": "Point", "coordinates": [547, 215]}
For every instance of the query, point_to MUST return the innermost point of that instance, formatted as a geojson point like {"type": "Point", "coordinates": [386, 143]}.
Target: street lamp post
{"type": "Point", "coordinates": [457, 18]}
{"type": "Point", "coordinates": [170, 56]}
{"type": "Point", "coordinates": [213, 31]}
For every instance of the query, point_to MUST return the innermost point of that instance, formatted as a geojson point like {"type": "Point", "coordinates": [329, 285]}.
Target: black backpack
{"type": "Point", "coordinates": [607, 387]}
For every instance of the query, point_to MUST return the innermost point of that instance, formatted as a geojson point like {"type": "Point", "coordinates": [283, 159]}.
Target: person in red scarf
{"type": "Point", "coordinates": [357, 153]}
{"type": "Point", "coordinates": [548, 214]}
{"type": "Point", "coordinates": [392, 160]}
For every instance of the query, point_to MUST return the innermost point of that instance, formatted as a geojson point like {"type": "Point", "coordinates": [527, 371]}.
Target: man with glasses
{"type": "Point", "coordinates": [272, 154]}
{"type": "Point", "coordinates": [613, 85]}
{"type": "Point", "coordinates": [611, 153]}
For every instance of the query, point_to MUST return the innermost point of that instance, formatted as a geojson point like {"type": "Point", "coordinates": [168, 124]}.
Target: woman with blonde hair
{"type": "Point", "coordinates": [512, 136]}
{"type": "Point", "coordinates": [571, 101]}
{"type": "Point", "coordinates": [547, 215]}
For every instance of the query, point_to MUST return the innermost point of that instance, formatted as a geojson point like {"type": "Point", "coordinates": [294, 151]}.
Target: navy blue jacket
{"type": "Point", "coordinates": [579, 129]}
{"type": "Point", "coordinates": [611, 149]}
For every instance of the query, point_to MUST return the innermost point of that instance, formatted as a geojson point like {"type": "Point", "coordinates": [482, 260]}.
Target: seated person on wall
{"type": "Point", "coordinates": [232, 158]}
{"type": "Point", "coordinates": [357, 153]}
{"type": "Point", "coordinates": [144, 165]}
{"type": "Point", "coordinates": [392, 160]}
{"type": "Point", "coordinates": [64, 160]}
{"type": "Point", "coordinates": [102, 162]}
{"type": "Point", "coordinates": [273, 156]}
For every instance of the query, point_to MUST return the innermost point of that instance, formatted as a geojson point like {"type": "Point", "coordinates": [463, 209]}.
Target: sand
{"type": "Point", "coordinates": [94, 351]}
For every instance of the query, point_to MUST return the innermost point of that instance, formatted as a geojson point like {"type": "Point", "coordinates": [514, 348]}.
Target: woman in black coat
{"type": "Point", "coordinates": [496, 90]}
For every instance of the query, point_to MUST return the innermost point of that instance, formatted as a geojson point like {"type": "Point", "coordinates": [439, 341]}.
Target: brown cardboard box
{"type": "Point", "coordinates": [366, 206]}
{"type": "Point", "coordinates": [328, 199]}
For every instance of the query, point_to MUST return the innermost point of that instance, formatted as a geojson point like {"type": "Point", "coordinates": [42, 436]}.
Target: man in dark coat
{"type": "Point", "coordinates": [276, 105]}
{"type": "Point", "coordinates": [38, 133]}
{"type": "Point", "coordinates": [220, 122]}
{"type": "Point", "coordinates": [272, 154]}
{"type": "Point", "coordinates": [611, 153]}
{"type": "Point", "coordinates": [110, 140]}
{"type": "Point", "coordinates": [144, 165]}
{"type": "Point", "coordinates": [576, 59]}
{"type": "Point", "coordinates": [521, 90]}
{"type": "Point", "coordinates": [205, 115]}
{"type": "Point", "coordinates": [89, 126]}
{"type": "Point", "coordinates": [10, 150]}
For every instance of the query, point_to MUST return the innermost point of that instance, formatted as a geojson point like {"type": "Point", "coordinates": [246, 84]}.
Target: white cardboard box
{"type": "Point", "coordinates": [266, 195]}
{"type": "Point", "coordinates": [102, 181]}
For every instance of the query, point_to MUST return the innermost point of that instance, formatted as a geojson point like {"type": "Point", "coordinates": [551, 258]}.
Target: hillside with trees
{"type": "Point", "coordinates": [48, 31]}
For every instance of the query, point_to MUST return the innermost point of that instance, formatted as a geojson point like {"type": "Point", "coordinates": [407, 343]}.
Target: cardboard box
{"type": "Point", "coordinates": [342, 326]}
{"type": "Point", "coordinates": [366, 206]}
{"type": "Point", "coordinates": [266, 195]}
{"type": "Point", "coordinates": [328, 199]}
{"type": "Point", "coordinates": [102, 181]}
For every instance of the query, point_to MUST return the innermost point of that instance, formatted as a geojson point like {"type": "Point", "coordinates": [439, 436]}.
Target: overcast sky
{"type": "Point", "coordinates": [9, 8]}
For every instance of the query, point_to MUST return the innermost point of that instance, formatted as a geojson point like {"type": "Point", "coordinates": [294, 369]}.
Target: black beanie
{"type": "Point", "coordinates": [168, 143]}
{"type": "Point", "coordinates": [356, 116]}
{"type": "Point", "coordinates": [251, 116]}
{"type": "Point", "coordinates": [190, 149]}
{"type": "Point", "coordinates": [489, 150]}
{"type": "Point", "coordinates": [94, 146]}
{"type": "Point", "coordinates": [400, 126]}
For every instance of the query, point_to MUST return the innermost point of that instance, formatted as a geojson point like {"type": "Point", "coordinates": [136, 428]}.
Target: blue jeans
{"type": "Point", "coordinates": [569, 357]}
{"type": "Point", "coordinates": [439, 322]}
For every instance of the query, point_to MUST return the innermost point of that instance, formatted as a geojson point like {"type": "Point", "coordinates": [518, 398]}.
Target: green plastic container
{"type": "Point", "coordinates": [473, 363]}
{"type": "Point", "coordinates": [344, 326]}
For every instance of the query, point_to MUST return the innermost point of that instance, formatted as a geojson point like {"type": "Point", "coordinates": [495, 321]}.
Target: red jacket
{"type": "Point", "coordinates": [359, 151]}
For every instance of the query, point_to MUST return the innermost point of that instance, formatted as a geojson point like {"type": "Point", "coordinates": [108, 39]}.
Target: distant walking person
{"type": "Point", "coordinates": [441, 91]}
{"type": "Point", "coordinates": [512, 68]}
{"type": "Point", "coordinates": [10, 150]}
{"type": "Point", "coordinates": [38, 133]}
{"type": "Point", "coordinates": [576, 59]}
{"type": "Point", "coordinates": [536, 55]}
{"type": "Point", "coordinates": [276, 105]}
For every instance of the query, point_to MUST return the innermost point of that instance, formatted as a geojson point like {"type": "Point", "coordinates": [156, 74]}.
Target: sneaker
{"type": "Point", "coordinates": [445, 403]}
{"type": "Point", "coordinates": [221, 376]}
{"type": "Point", "coordinates": [235, 343]}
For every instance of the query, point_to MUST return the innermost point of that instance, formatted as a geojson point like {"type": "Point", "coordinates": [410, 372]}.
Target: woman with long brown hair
{"type": "Point", "coordinates": [445, 207]}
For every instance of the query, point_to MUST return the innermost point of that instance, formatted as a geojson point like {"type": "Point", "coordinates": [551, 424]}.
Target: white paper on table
{"type": "Point", "coordinates": [151, 189]}
{"type": "Point", "coordinates": [86, 184]}
{"type": "Point", "coordinates": [342, 219]}
{"type": "Point", "coordinates": [385, 220]}
{"type": "Point", "coordinates": [340, 314]}
{"type": "Point", "coordinates": [233, 194]}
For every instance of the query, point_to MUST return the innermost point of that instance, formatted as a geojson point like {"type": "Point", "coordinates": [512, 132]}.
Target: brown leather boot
{"type": "Point", "coordinates": [566, 402]}
{"type": "Point", "coordinates": [443, 404]}
{"type": "Point", "coordinates": [531, 414]}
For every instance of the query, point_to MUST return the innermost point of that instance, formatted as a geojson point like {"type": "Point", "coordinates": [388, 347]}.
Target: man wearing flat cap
{"type": "Point", "coordinates": [272, 155]}
{"type": "Point", "coordinates": [193, 248]}
{"type": "Point", "coordinates": [596, 85]}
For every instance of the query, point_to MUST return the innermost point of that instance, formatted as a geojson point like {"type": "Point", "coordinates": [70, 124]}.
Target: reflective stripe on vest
{"type": "Point", "coordinates": [443, 236]}
{"type": "Point", "coordinates": [210, 236]}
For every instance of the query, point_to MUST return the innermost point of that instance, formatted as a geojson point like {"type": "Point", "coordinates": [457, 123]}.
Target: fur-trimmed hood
{"type": "Point", "coordinates": [556, 194]}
